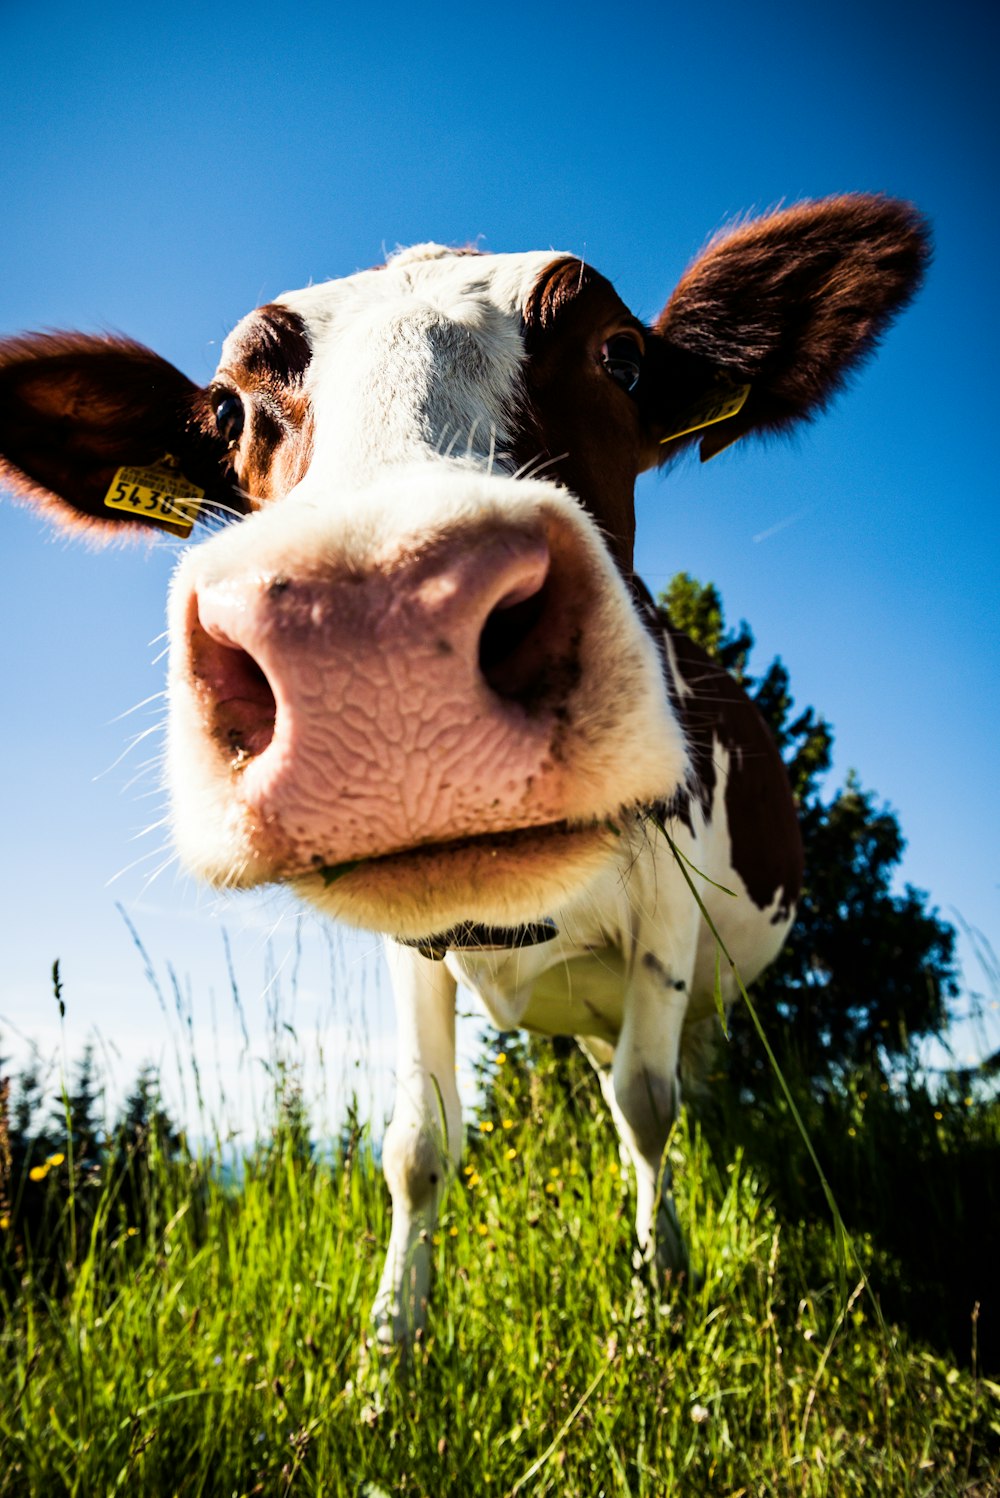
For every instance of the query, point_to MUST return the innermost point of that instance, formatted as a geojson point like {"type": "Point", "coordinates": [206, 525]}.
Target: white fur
{"type": "Point", "coordinates": [378, 398]}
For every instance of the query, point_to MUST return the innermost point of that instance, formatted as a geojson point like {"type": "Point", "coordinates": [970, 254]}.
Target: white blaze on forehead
{"type": "Point", "coordinates": [420, 357]}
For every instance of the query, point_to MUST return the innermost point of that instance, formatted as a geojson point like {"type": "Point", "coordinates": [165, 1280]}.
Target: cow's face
{"type": "Point", "coordinates": [405, 683]}
{"type": "Point", "coordinates": [413, 681]}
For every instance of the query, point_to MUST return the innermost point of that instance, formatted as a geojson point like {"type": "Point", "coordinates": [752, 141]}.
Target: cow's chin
{"type": "Point", "coordinates": [499, 879]}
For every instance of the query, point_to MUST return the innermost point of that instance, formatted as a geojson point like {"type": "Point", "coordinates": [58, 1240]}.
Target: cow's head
{"type": "Point", "coordinates": [414, 681]}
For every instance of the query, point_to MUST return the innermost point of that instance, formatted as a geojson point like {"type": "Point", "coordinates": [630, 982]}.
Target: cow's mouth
{"type": "Point", "coordinates": [501, 880]}
{"type": "Point", "coordinates": [516, 839]}
{"type": "Point", "coordinates": [511, 839]}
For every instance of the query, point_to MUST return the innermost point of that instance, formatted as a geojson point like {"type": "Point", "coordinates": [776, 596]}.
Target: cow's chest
{"type": "Point", "coordinates": [633, 934]}
{"type": "Point", "coordinates": [577, 984]}
{"type": "Point", "coordinates": [581, 993]}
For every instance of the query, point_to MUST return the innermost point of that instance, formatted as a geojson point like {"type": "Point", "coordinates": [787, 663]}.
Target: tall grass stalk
{"type": "Point", "coordinates": [212, 1345]}
{"type": "Point", "coordinates": [202, 1328]}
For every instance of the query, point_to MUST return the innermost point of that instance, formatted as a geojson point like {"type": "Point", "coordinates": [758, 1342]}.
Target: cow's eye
{"type": "Point", "coordinates": [229, 418]}
{"type": "Point", "coordinates": [622, 358]}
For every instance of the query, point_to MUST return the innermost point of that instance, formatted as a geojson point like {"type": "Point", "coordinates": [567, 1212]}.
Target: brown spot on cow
{"type": "Point", "coordinates": [763, 827]}
{"type": "Point", "coordinates": [588, 434]}
{"type": "Point", "coordinates": [265, 364]}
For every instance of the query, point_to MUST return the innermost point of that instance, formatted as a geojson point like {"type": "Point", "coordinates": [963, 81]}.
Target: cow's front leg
{"type": "Point", "coordinates": [423, 1141]}
{"type": "Point", "coordinates": [643, 1092]}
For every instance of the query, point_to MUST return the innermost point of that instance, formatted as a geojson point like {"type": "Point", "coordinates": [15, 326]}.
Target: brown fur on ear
{"type": "Point", "coordinates": [793, 302]}
{"type": "Point", "coordinates": [74, 407]}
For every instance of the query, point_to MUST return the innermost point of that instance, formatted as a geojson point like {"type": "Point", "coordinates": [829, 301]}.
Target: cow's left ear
{"type": "Point", "coordinates": [769, 321]}
{"type": "Point", "coordinates": [107, 436]}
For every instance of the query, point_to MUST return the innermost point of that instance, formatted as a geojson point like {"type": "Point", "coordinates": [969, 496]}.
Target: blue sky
{"type": "Point", "coordinates": [165, 172]}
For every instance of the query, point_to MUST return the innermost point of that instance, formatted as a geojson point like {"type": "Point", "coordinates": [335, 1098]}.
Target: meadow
{"type": "Point", "coordinates": [180, 1320]}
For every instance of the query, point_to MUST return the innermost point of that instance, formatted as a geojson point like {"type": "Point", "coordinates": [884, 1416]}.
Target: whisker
{"type": "Point", "coordinates": [174, 858]}
{"type": "Point", "coordinates": [154, 697]}
{"type": "Point", "coordinates": [132, 744]}
{"type": "Point", "coordinates": [154, 762]}
{"type": "Point", "coordinates": [153, 827]}
{"type": "Point", "coordinates": [535, 466]}
{"type": "Point", "coordinates": [143, 858]}
{"type": "Point", "coordinates": [157, 790]}
{"type": "Point", "coordinates": [218, 509]}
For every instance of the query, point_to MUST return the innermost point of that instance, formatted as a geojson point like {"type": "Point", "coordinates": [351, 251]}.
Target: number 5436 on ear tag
{"type": "Point", "coordinates": [160, 494]}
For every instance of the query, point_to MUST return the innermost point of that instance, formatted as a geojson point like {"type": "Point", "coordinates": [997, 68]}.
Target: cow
{"type": "Point", "coordinates": [417, 680]}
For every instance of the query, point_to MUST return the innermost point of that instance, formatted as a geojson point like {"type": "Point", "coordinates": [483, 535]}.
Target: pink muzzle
{"type": "Point", "coordinates": [421, 699]}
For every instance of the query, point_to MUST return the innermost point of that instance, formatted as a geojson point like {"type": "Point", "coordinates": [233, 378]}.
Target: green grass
{"type": "Point", "coordinates": [212, 1345]}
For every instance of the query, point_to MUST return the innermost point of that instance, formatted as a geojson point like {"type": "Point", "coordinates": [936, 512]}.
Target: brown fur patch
{"type": "Point", "coordinates": [584, 429]}
{"type": "Point", "coordinates": [766, 845]}
{"type": "Point", "coordinates": [796, 300]}
{"type": "Point", "coordinates": [790, 304]}
{"type": "Point", "coordinates": [266, 365]}
{"type": "Point", "coordinates": [74, 407]}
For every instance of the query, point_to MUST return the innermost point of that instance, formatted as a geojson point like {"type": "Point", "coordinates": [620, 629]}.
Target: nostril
{"type": "Point", "coordinates": [236, 694]}
{"type": "Point", "coordinates": [511, 647]}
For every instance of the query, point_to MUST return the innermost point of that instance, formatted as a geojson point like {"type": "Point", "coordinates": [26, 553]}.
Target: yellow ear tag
{"type": "Point", "coordinates": [161, 494]}
{"type": "Point", "coordinates": [719, 405]}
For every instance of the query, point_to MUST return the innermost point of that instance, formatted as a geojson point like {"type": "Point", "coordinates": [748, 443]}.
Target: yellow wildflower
{"type": "Point", "coordinates": [482, 1229]}
{"type": "Point", "coordinates": [486, 1127]}
{"type": "Point", "coordinates": [56, 1159]}
{"type": "Point", "coordinates": [512, 1153]}
{"type": "Point", "coordinates": [501, 1058]}
{"type": "Point", "coordinates": [38, 1172]}
{"type": "Point", "coordinates": [4, 1223]}
{"type": "Point", "coordinates": [508, 1123]}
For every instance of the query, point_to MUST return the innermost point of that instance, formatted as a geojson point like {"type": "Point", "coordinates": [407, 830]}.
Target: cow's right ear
{"type": "Point", "coordinates": [108, 437]}
{"type": "Point", "coordinates": [773, 318]}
